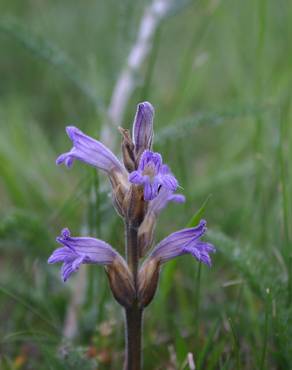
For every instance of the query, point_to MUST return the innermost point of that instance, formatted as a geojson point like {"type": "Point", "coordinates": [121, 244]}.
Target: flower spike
{"type": "Point", "coordinates": [142, 186]}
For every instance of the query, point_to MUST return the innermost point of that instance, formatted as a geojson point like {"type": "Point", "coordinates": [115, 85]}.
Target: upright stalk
{"type": "Point", "coordinates": [132, 249]}
{"type": "Point", "coordinates": [133, 324]}
{"type": "Point", "coordinates": [133, 338]}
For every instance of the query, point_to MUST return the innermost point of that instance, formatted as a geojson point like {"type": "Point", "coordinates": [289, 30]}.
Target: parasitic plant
{"type": "Point", "coordinates": [141, 187]}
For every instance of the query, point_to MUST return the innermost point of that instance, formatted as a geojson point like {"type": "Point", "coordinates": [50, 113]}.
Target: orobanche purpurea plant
{"type": "Point", "coordinates": [141, 187]}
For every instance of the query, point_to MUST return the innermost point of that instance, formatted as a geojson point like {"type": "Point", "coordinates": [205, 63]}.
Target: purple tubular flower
{"type": "Point", "coordinates": [143, 127]}
{"type": "Point", "coordinates": [153, 174]}
{"type": "Point", "coordinates": [90, 151]}
{"type": "Point", "coordinates": [183, 242]}
{"type": "Point", "coordinates": [163, 198]}
{"type": "Point", "coordinates": [78, 250]}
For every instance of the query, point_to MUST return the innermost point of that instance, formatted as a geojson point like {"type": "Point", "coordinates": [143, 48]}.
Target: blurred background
{"type": "Point", "coordinates": [219, 75]}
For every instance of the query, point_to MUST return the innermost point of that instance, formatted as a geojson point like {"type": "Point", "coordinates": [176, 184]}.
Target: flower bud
{"type": "Point", "coordinates": [143, 128]}
{"type": "Point", "coordinates": [146, 233]}
{"type": "Point", "coordinates": [120, 186]}
{"type": "Point", "coordinates": [134, 205]}
{"type": "Point", "coordinates": [147, 281]}
{"type": "Point", "coordinates": [121, 282]}
{"type": "Point", "coordinates": [128, 150]}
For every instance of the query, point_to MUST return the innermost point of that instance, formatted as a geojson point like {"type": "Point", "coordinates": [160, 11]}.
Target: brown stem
{"type": "Point", "coordinates": [134, 313]}
{"type": "Point", "coordinates": [133, 338]}
{"type": "Point", "coordinates": [132, 249]}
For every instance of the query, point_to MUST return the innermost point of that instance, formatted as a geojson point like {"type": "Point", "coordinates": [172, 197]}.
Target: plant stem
{"type": "Point", "coordinates": [133, 323]}
{"type": "Point", "coordinates": [133, 338]}
{"type": "Point", "coordinates": [132, 249]}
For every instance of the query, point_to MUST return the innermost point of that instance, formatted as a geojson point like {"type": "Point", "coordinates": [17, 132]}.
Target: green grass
{"type": "Point", "coordinates": [219, 76]}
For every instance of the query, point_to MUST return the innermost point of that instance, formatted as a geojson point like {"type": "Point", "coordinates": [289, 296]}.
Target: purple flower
{"type": "Point", "coordinates": [143, 128]}
{"type": "Point", "coordinates": [183, 242]}
{"type": "Point", "coordinates": [90, 151]}
{"type": "Point", "coordinates": [78, 250]}
{"type": "Point", "coordinates": [153, 174]}
{"type": "Point", "coordinates": [163, 198]}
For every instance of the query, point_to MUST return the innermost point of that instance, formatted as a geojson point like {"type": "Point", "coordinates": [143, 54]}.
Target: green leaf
{"type": "Point", "coordinates": [198, 215]}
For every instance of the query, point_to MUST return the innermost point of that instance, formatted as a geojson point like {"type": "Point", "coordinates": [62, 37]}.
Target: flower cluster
{"type": "Point", "coordinates": [142, 186]}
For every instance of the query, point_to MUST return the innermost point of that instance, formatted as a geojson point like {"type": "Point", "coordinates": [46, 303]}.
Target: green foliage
{"type": "Point", "coordinates": [219, 76]}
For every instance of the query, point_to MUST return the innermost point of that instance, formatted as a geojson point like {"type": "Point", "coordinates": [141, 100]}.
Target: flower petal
{"type": "Point", "coordinates": [157, 160]}
{"type": "Point", "coordinates": [177, 198]}
{"type": "Point", "coordinates": [77, 262]}
{"type": "Point", "coordinates": [61, 255]}
{"type": "Point", "coordinates": [136, 177]}
{"type": "Point", "coordinates": [66, 270]}
{"type": "Point", "coordinates": [145, 159]}
{"type": "Point", "coordinates": [164, 196]}
{"type": "Point", "coordinates": [150, 190]}
{"type": "Point", "coordinates": [169, 182]}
